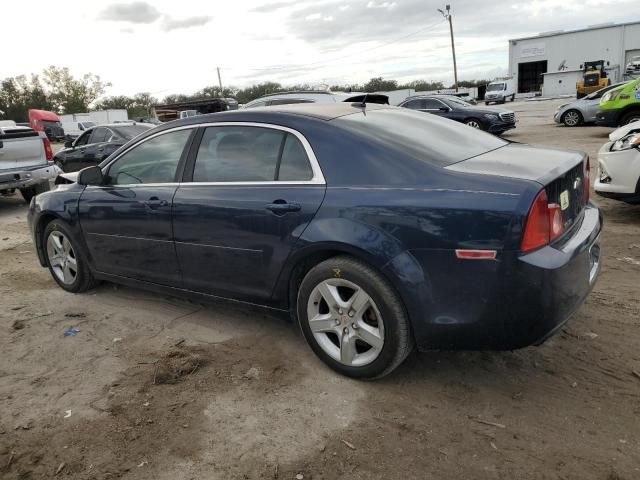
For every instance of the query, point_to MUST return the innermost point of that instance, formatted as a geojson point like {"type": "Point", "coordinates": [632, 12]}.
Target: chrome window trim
{"type": "Point", "coordinates": [317, 179]}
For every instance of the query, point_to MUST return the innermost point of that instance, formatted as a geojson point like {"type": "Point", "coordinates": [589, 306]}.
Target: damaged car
{"type": "Point", "coordinates": [376, 229]}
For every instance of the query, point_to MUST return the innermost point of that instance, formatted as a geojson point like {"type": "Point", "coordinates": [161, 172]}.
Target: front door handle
{"type": "Point", "coordinates": [154, 203]}
{"type": "Point", "coordinates": [280, 207]}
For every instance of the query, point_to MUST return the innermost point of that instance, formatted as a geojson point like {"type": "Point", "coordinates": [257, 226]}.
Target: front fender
{"type": "Point", "coordinates": [62, 204]}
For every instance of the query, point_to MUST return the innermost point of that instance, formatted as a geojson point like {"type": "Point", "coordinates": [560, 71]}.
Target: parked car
{"type": "Point", "coordinates": [619, 165]}
{"type": "Point", "coordinates": [620, 106]}
{"type": "Point", "coordinates": [96, 144]}
{"type": "Point", "coordinates": [24, 161]}
{"type": "Point", "coordinates": [290, 98]}
{"type": "Point", "coordinates": [500, 91]}
{"type": "Point", "coordinates": [582, 110]}
{"type": "Point", "coordinates": [377, 228]}
{"type": "Point", "coordinates": [73, 130]}
{"type": "Point", "coordinates": [491, 120]}
{"type": "Point", "coordinates": [47, 122]}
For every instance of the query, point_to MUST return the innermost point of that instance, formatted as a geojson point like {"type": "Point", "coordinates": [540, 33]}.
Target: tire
{"type": "Point", "coordinates": [572, 118]}
{"type": "Point", "coordinates": [473, 123]}
{"type": "Point", "coordinates": [382, 320]}
{"type": "Point", "coordinates": [630, 118]}
{"type": "Point", "coordinates": [65, 259]}
{"type": "Point", "coordinates": [486, 103]}
{"type": "Point", "coordinates": [504, 100]}
{"type": "Point", "coordinates": [30, 192]}
{"type": "Point", "coordinates": [513, 98]}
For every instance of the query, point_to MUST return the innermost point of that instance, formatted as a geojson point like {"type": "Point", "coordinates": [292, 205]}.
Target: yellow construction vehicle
{"type": "Point", "coordinates": [594, 77]}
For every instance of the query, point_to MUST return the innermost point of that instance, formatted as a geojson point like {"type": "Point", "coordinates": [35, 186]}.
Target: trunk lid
{"type": "Point", "coordinates": [561, 172]}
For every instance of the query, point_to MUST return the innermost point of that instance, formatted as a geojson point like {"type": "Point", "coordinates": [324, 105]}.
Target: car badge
{"type": "Point", "coordinates": [576, 183]}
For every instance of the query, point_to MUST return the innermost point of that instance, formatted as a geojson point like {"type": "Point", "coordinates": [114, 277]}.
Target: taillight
{"type": "Point", "coordinates": [587, 180]}
{"type": "Point", "coordinates": [544, 223]}
{"type": "Point", "coordinates": [47, 149]}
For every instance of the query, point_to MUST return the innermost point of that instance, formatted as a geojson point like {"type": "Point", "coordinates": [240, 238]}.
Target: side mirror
{"type": "Point", "coordinates": [444, 109]}
{"type": "Point", "coordinates": [68, 143]}
{"type": "Point", "coordinates": [90, 176]}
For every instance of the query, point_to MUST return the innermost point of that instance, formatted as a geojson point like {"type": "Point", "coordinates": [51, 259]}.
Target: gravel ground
{"type": "Point", "coordinates": [153, 387]}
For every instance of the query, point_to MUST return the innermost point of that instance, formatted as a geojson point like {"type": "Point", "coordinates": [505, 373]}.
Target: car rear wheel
{"type": "Point", "coordinates": [66, 263]}
{"type": "Point", "coordinates": [473, 123]}
{"type": "Point", "coordinates": [352, 319]}
{"type": "Point", "coordinates": [29, 193]}
{"type": "Point", "coordinates": [630, 118]}
{"type": "Point", "coordinates": [572, 118]}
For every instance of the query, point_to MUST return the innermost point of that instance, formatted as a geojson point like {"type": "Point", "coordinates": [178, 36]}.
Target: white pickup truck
{"type": "Point", "coordinates": [25, 161]}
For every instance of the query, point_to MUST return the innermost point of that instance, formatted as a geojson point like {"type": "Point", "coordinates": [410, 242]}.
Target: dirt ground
{"type": "Point", "coordinates": [153, 387]}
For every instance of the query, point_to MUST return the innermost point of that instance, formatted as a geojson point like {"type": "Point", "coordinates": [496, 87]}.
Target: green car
{"type": "Point", "coordinates": [620, 106]}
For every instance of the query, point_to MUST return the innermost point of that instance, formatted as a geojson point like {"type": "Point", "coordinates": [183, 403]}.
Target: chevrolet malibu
{"type": "Point", "coordinates": [378, 229]}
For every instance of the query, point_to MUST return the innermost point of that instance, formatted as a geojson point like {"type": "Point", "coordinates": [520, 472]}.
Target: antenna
{"type": "Point", "coordinates": [364, 101]}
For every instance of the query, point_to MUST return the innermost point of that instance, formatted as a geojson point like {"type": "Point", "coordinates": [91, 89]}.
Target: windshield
{"type": "Point", "coordinates": [495, 87]}
{"type": "Point", "coordinates": [427, 138]}
{"type": "Point", "coordinates": [88, 124]}
{"type": "Point", "coordinates": [130, 131]}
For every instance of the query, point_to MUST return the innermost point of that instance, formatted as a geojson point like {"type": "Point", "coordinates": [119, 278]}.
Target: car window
{"type": "Point", "coordinates": [99, 135]}
{"type": "Point", "coordinates": [294, 164]}
{"type": "Point", "coordinates": [83, 139]}
{"type": "Point", "coordinates": [261, 103]}
{"type": "Point", "coordinates": [238, 154]}
{"type": "Point", "coordinates": [415, 104]}
{"type": "Point", "coordinates": [153, 161]}
{"type": "Point", "coordinates": [433, 104]}
{"type": "Point", "coordinates": [289, 101]}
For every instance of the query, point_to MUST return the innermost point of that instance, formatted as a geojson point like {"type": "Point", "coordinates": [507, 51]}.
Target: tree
{"type": "Point", "coordinates": [69, 94]}
{"type": "Point", "coordinates": [379, 85]}
{"type": "Point", "coordinates": [19, 94]}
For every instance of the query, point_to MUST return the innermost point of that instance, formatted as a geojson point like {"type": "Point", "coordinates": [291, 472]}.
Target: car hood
{"type": "Point", "coordinates": [526, 162]}
{"type": "Point", "coordinates": [624, 131]}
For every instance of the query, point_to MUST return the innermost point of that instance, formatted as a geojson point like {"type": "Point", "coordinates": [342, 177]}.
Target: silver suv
{"type": "Point", "coordinates": [288, 98]}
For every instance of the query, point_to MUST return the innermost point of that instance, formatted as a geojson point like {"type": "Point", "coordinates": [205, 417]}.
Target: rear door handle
{"type": "Point", "coordinates": [155, 202]}
{"type": "Point", "coordinates": [280, 207]}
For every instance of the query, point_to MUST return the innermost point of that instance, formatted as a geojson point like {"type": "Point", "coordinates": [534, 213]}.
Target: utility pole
{"type": "Point", "coordinates": [220, 81]}
{"type": "Point", "coordinates": [447, 15]}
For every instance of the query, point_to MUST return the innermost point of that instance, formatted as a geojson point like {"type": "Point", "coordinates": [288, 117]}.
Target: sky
{"type": "Point", "coordinates": [168, 46]}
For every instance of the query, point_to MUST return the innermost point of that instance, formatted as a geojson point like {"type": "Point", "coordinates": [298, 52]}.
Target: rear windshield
{"type": "Point", "coordinates": [421, 135]}
{"type": "Point", "coordinates": [130, 131]}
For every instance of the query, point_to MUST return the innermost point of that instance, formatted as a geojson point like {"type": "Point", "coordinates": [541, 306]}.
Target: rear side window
{"type": "Point", "coordinates": [428, 138]}
{"type": "Point", "coordinates": [250, 154]}
{"type": "Point", "coordinates": [294, 165]}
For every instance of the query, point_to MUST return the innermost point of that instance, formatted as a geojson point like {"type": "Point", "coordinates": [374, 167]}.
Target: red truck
{"type": "Point", "coordinates": [47, 122]}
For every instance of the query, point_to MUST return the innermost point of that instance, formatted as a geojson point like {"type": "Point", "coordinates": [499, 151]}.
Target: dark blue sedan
{"type": "Point", "coordinates": [377, 228]}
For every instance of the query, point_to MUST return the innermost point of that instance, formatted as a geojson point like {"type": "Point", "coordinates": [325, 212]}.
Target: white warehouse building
{"type": "Point", "coordinates": [554, 59]}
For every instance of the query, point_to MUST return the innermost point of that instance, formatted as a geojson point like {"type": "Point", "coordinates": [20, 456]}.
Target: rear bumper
{"type": "Point", "coordinates": [607, 118]}
{"type": "Point", "coordinates": [512, 302]}
{"type": "Point", "coordinates": [27, 177]}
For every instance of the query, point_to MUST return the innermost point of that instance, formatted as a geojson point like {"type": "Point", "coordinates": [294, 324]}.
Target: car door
{"type": "Point", "coordinates": [73, 159]}
{"type": "Point", "coordinates": [247, 196]}
{"type": "Point", "coordinates": [127, 220]}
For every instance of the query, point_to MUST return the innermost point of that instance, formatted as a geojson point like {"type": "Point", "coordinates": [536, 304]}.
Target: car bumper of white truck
{"type": "Point", "coordinates": [27, 177]}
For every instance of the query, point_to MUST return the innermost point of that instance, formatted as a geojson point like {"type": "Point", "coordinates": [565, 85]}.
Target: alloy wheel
{"type": "Point", "coordinates": [345, 322]}
{"type": "Point", "coordinates": [571, 118]}
{"type": "Point", "coordinates": [473, 124]}
{"type": "Point", "coordinates": [62, 258]}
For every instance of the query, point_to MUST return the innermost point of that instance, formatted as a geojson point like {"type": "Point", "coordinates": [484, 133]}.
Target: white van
{"type": "Point", "coordinates": [73, 130]}
{"type": "Point", "coordinates": [499, 91]}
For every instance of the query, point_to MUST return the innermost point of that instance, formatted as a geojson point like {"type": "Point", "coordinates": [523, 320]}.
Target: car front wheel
{"type": "Point", "coordinates": [572, 118]}
{"type": "Point", "coordinates": [66, 263]}
{"type": "Point", "coordinates": [353, 319]}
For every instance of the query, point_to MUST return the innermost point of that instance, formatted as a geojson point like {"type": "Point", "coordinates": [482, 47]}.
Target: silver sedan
{"type": "Point", "coordinates": [583, 110]}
